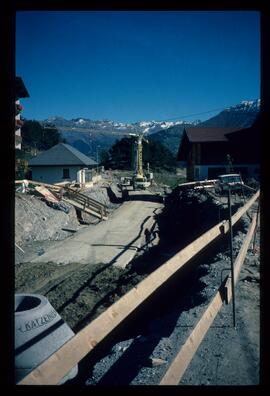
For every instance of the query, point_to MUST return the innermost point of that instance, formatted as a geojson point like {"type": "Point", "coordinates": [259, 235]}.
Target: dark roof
{"type": "Point", "coordinates": [61, 154]}
{"type": "Point", "coordinates": [208, 134]}
{"type": "Point", "coordinates": [20, 90]}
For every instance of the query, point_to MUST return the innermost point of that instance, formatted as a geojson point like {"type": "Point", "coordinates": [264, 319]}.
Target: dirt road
{"type": "Point", "coordinates": [114, 241]}
{"type": "Point", "coordinates": [78, 274]}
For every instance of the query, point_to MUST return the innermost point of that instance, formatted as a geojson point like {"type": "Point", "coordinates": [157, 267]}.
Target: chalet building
{"type": "Point", "coordinates": [60, 163]}
{"type": "Point", "coordinates": [20, 92]}
{"type": "Point", "coordinates": [208, 151]}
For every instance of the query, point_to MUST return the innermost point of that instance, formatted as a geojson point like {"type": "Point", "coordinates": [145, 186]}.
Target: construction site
{"type": "Point", "coordinates": [150, 285]}
{"type": "Point", "coordinates": [135, 143]}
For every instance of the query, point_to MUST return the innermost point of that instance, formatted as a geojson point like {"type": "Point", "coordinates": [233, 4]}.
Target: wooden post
{"type": "Point", "coordinates": [231, 252]}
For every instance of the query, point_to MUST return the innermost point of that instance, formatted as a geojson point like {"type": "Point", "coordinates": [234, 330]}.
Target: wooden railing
{"type": "Point", "coordinates": [86, 202]}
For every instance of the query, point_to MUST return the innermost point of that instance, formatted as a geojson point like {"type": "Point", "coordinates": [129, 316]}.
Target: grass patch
{"type": "Point", "coordinates": [171, 179]}
{"type": "Point", "coordinates": [161, 177]}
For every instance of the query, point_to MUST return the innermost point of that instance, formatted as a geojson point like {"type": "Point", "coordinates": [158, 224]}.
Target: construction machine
{"type": "Point", "coordinates": [140, 180]}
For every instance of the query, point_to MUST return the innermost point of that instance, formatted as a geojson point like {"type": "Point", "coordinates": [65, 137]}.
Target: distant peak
{"type": "Point", "coordinates": [247, 105]}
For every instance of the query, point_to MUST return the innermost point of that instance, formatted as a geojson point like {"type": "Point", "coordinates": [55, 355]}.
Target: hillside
{"type": "Point", "coordinates": [241, 115]}
{"type": "Point", "coordinates": [171, 137]}
{"type": "Point", "coordinates": [92, 136]}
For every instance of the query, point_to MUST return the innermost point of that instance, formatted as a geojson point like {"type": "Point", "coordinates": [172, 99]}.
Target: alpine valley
{"type": "Point", "coordinates": [92, 137]}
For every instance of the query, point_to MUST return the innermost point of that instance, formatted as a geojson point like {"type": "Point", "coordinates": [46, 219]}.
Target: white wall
{"type": "Point", "coordinates": [201, 171]}
{"type": "Point", "coordinates": [53, 174]}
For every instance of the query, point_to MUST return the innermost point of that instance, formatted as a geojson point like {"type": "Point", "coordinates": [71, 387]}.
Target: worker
{"type": "Point", "coordinates": [147, 234]}
{"type": "Point", "coordinates": [61, 193]}
{"type": "Point", "coordinates": [125, 195]}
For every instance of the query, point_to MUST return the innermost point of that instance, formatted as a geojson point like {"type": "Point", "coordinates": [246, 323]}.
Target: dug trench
{"type": "Point", "coordinates": [188, 290]}
{"type": "Point", "coordinates": [81, 292]}
{"type": "Point", "coordinates": [186, 294]}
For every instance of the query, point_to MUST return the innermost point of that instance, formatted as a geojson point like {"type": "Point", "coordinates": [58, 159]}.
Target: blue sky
{"type": "Point", "coordinates": [130, 66]}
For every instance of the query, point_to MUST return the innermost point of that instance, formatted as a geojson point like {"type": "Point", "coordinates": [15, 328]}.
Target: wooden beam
{"type": "Point", "coordinates": [239, 260]}
{"type": "Point", "coordinates": [53, 186]}
{"type": "Point", "coordinates": [179, 365]}
{"type": "Point", "coordinates": [199, 183]}
{"type": "Point", "coordinates": [93, 211]}
{"type": "Point", "coordinates": [57, 365]}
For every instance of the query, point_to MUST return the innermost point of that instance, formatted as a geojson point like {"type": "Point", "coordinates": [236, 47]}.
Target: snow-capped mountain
{"type": "Point", "coordinates": [241, 115]}
{"type": "Point", "coordinates": [150, 127]}
{"type": "Point", "coordinates": [90, 136]}
{"type": "Point", "coordinates": [247, 106]}
{"type": "Point", "coordinates": [147, 127]}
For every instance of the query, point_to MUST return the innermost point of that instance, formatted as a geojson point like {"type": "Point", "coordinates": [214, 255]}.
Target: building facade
{"type": "Point", "coordinates": [209, 152]}
{"type": "Point", "coordinates": [61, 163]}
{"type": "Point", "coordinates": [20, 92]}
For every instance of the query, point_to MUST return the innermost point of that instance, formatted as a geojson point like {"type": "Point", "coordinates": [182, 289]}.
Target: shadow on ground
{"type": "Point", "coordinates": [176, 225]}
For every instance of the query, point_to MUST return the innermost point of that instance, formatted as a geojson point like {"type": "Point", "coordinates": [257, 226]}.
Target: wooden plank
{"type": "Point", "coordinates": [47, 194]}
{"type": "Point", "coordinates": [53, 186]}
{"type": "Point", "coordinates": [242, 210]}
{"type": "Point", "coordinates": [80, 205]}
{"type": "Point", "coordinates": [179, 365]}
{"type": "Point", "coordinates": [198, 183]}
{"type": "Point", "coordinates": [84, 199]}
{"type": "Point", "coordinates": [57, 365]}
{"type": "Point", "coordinates": [239, 260]}
{"type": "Point", "coordinates": [86, 210]}
{"type": "Point", "coordinates": [83, 196]}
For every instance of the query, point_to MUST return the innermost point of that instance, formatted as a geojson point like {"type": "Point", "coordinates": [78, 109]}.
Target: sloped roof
{"type": "Point", "coordinates": [20, 90]}
{"type": "Point", "coordinates": [208, 134]}
{"type": "Point", "coordinates": [61, 154]}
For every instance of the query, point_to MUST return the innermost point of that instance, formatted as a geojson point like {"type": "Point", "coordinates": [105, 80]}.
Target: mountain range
{"type": "Point", "coordinates": [239, 116]}
{"type": "Point", "coordinates": [91, 136]}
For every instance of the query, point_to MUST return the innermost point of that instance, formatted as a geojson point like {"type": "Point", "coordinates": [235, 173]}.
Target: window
{"type": "Point", "coordinates": [66, 173]}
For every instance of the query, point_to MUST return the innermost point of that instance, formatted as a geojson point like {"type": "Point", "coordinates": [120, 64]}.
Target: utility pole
{"type": "Point", "coordinates": [231, 252]}
{"type": "Point", "coordinates": [97, 158]}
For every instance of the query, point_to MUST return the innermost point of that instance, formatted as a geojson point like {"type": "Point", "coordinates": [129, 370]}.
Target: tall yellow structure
{"type": "Point", "coordinates": [140, 181]}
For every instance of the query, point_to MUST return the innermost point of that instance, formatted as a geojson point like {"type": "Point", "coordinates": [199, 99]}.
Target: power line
{"type": "Point", "coordinates": [195, 114]}
{"type": "Point", "coordinates": [192, 115]}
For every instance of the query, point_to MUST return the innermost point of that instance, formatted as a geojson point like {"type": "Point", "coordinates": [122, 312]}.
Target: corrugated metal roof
{"type": "Point", "coordinates": [61, 154]}
{"type": "Point", "coordinates": [208, 134]}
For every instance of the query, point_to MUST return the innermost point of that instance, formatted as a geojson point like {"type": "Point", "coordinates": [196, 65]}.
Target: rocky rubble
{"type": "Point", "coordinates": [36, 221]}
{"type": "Point", "coordinates": [38, 224]}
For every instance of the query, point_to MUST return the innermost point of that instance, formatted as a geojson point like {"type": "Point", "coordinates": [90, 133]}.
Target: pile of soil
{"type": "Point", "coordinates": [36, 221]}
{"type": "Point", "coordinates": [37, 224]}
{"type": "Point", "coordinates": [107, 193]}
